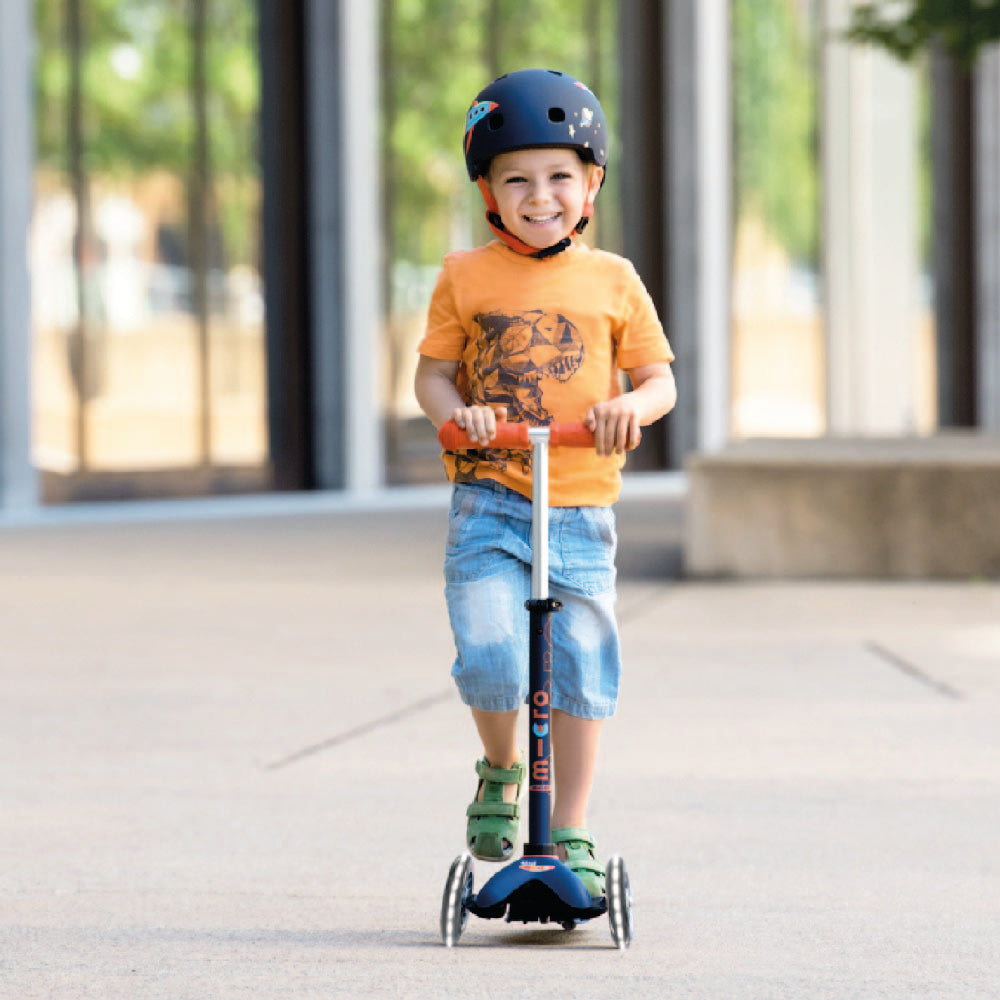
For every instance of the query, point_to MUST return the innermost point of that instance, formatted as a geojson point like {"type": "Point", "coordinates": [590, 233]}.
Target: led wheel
{"type": "Point", "coordinates": [454, 903]}
{"type": "Point", "coordinates": [619, 903]}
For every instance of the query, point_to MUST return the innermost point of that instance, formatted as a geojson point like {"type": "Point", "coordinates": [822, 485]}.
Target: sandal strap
{"type": "Point", "coordinates": [565, 834]}
{"type": "Point", "coordinates": [506, 810]}
{"type": "Point", "coordinates": [577, 865]}
{"type": "Point", "coordinates": [579, 849]}
{"type": "Point", "coordinates": [504, 775]}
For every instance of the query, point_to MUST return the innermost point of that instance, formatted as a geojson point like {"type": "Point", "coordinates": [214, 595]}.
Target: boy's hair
{"type": "Point", "coordinates": [533, 109]}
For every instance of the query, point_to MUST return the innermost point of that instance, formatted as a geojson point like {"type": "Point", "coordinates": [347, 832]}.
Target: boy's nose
{"type": "Point", "coordinates": [539, 191]}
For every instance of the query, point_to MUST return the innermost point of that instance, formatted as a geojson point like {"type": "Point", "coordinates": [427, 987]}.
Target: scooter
{"type": "Point", "coordinates": [538, 887]}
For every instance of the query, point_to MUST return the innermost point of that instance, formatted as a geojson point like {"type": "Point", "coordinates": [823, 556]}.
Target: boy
{"type": "Point", "coordinates": [534, 328]}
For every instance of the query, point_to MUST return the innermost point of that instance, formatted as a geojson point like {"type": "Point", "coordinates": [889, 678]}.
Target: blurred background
{"type": "Point", "coordinates": [234, 213]}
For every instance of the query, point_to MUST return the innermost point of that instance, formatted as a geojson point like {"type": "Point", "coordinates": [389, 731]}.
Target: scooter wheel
{"type": "Point", "coordinates": [619, 903]}
{"type": "Point", "coordinates": [454, 903]}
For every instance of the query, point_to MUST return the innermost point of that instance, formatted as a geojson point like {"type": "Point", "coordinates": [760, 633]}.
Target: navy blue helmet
{"type": "Point", "coordinates": [534, 109]}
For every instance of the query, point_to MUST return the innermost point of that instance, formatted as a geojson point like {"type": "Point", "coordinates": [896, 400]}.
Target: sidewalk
{"type": "Point", "coordinates": [232, 764]}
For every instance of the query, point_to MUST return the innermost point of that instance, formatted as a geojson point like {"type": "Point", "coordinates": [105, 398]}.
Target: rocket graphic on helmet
{"type": "Point", "coordinates": [476, 114]}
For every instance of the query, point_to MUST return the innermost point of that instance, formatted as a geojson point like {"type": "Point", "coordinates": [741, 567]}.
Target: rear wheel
{"type": "Point", "coordinates": [454, 902]}
{"type": "Point", "coordinates": [619, 903]}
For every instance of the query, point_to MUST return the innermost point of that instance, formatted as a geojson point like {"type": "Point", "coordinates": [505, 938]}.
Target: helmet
{"type": "Point", "coordinates": [534, 108]}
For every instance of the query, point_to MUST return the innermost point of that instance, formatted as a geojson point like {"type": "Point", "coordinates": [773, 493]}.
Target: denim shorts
{"type": "Point", "coordinates": [488, 580]}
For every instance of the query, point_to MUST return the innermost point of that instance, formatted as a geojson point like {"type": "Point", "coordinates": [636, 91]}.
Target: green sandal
{"type": "Point", "coordinates": [494, 825]}
{"type": "Point", "coordinates": [580, 858]}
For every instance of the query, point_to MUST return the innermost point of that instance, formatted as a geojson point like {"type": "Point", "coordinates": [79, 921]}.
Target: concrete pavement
{"type": "Point", "coordinates": [232, 764]}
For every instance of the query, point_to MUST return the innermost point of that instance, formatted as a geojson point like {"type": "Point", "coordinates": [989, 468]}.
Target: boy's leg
{"type": "Point", "coordinates": [575, 743]}
{"type": "Point", "coordinates": [498, 732]}
{"type": "Point", "coordinates": [494, 817]}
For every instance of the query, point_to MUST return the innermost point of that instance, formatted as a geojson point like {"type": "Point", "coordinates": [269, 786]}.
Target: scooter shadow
{"type": "Point", "coordinates": [552, 938]}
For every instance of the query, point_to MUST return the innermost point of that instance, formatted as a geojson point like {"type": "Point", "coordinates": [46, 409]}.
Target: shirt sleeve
{"type": "Point", "coordinates": [445, 337]}
{"type": "Point", "coordinates": [641, 340]}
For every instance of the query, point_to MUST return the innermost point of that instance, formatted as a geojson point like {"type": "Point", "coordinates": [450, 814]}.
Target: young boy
{"type": "Point", "coordinates": [534, 328]}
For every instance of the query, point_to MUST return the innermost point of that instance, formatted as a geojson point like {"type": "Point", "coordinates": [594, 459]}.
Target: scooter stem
{"type": "Point", "coordinates": [540, 609]}
{"type": "Point", "coordinates": [539, 438]}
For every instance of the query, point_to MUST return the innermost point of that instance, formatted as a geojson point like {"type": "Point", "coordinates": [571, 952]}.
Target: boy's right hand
{"type": "Point", "coordinates": [479, 422]}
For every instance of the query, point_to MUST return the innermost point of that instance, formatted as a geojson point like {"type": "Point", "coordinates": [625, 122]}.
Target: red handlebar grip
{"type": "Point", "coordinates": [571, 436]}
{"type": "Point", "coordinates": [453, 438]}
{"type": "Point", "coordinates": [577, 435]}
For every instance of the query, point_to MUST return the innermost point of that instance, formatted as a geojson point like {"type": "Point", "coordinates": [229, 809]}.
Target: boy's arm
{"type": "Point", "coordinates": [440, 399]}
{"type": "Point", "coordinates": [616, 422]}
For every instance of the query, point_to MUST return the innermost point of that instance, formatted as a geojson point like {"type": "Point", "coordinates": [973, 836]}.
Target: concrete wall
{"type": "Point", "coordinates": [875, 508]}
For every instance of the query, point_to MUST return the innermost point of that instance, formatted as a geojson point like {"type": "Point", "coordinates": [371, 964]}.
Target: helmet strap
{"type": "Point", "coordinates": [496, 224]}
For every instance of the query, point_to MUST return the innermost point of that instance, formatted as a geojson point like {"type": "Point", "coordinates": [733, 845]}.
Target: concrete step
{"type": "Point", "coordinates": [905, 508]}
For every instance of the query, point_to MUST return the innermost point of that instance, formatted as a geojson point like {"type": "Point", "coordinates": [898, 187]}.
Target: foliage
{"type": "Point", "coordinates": [137, 116]}
{"type": "Point", "coordinates": [136, 59]}
{"type": "Point", "coordinates": [775, 122]}
{"type": "Point", "coordinates": [962, 26]}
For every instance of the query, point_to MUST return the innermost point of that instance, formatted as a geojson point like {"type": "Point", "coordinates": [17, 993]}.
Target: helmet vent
{"type": "Point", "coordinates": [495, 121]}
{"type": "Point", "coordinates": [557, 115]}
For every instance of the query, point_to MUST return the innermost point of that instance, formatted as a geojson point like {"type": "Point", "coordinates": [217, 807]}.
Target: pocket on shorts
{"type": "Point", "coordinates": [472, 531]}
{"type": "Point", "coordinates": [587, 542]}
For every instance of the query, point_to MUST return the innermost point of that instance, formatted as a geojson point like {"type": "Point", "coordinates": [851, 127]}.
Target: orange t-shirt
{"type": "Point", "coordinates": [546, 339]}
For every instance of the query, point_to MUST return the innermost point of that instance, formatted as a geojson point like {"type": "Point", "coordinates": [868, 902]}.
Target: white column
{"type": "Point", "coordinates": [869, 155]}
{"type": "Point", "coordinates": [362, 243]}
{"type": "Point", "coordinates": [18, 481]}
{"type": "Point", "coordinates": [715, 210]}
{"type": "Point", "coordinates": [345, 243]}
{"type": "Point", "coordinates": [987, 200]}
{"type": "Point", "coordinates": [698, 177]}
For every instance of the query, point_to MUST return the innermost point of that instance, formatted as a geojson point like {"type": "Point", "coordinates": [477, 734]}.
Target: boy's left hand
{"type": "Point", "coordinates": [616, 422]}
{"type": "Point", "coordinates": [615, 425]}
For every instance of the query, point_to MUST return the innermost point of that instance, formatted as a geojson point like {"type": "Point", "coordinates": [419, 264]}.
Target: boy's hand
{"type": "Point", "coordinates": [616, 422]}
{"type": "Point", "coordinates": [479, 422]}
{"type": "Point", "coordinates": [615, 425]}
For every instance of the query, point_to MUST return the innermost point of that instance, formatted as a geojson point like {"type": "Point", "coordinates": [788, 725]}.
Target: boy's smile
{"type": "Point", "coordinates": [541, 193]}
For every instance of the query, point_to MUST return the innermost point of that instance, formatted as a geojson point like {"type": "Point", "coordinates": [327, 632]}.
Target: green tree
{"type": "Point", "coordinates": [135, 111]}
{"type": "Point", "coordinates": [962, 26]}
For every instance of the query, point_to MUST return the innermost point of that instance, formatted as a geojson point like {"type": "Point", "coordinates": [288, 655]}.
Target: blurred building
{"type": "Point", "coordinates": [220, 222]}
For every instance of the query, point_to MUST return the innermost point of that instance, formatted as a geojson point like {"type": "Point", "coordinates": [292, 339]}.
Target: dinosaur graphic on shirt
{"type": "Point", "coordinates": [518, 351]}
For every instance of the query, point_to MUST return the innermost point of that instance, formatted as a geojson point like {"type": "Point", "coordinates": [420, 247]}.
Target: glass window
{"type": "Point", "coordinates": [146, 289]}
{"type": "Point", "coordinates": [790, 375]}
{"type": "Point", "coordinates": [778, 340]}
{"type": "Point", "coordinates": [436, 56]}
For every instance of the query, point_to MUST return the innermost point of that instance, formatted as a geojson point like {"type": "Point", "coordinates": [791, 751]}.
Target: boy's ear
{"type": "Point", "coordinates": [596, 180]}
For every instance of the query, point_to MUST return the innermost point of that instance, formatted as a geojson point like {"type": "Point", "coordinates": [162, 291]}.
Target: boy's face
{"type": "Point", "coordinates": [541, 193]}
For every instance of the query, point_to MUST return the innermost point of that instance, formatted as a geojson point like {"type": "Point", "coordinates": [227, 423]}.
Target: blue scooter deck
{"type": "Point", "coordinates": [536, 889]}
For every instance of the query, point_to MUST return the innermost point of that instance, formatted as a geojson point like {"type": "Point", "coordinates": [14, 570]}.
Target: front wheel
{"type": "Point", "coordinates": [454, 902]}
{"type": "Point", "coordinates": [619, 903]}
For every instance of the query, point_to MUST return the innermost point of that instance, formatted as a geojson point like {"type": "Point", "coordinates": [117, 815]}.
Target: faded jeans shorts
{"type": "Point", "coordinates": [488, 580]}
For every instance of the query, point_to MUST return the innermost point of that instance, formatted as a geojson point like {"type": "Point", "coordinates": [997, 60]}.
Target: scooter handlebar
{"type": "Point", "coordinates": [568, 435]}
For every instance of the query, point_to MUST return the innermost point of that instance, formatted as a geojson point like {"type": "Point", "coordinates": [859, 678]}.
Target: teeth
{"type": "Point", "coordinates": [538, 219]}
